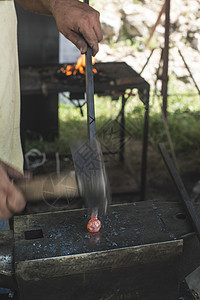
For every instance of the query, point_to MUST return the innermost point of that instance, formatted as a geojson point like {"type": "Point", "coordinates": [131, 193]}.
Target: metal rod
{"type": "Point", "coordinates": [186, 65]}
{"type": "Point", "coordinates": [195, 220]}
{"type": "Point", "coordinates": [147, 60]}
{"type": "Point", "coordinates": [90, 96]}
{"type": "Point", "coordinates": [145, 148]}
{"type": "Point", "coordinates": [122, 130]}
{"type": "Point", "coordinates": [166, 57]}
{"type": "Point", "coordinates": [90, 93]}
{"type": "Point", "coordinates": [167, 131]}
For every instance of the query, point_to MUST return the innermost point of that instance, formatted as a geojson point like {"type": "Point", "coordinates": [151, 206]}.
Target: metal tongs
{"type": "Point", "coordinates": [91, 174]}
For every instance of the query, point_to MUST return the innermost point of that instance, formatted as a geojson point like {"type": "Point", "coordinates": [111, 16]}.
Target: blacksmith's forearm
{"type": "Point", "coordinates": [76, 20]}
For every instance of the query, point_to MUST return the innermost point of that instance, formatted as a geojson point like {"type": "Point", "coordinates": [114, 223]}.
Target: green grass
{"type": "Point", "coordinates": [183, 121]}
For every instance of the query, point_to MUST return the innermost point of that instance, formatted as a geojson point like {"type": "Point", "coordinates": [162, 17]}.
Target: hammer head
{"type": "Point", "coordinates": [91, 175]}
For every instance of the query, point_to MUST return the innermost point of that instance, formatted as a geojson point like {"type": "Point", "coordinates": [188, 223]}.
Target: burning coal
{"type": "Point", "coordinates": [79, 67]}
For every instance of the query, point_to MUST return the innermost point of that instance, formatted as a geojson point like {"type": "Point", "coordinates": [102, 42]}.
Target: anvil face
{"type": "Point", "coordinates": [137, 249]}
{"type": "Point", "coordinates": [56, 234]}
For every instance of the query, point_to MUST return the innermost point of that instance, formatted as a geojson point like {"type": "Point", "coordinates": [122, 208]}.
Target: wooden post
{"type": "Point", "coordinates": [156, 24]}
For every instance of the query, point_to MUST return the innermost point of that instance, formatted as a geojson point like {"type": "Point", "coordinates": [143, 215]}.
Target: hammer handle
{"type": "Point", "coordinates": [49, 187]}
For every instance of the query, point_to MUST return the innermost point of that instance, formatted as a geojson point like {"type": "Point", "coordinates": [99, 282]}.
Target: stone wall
{"type": "Point", "coordinates": [127, 25]}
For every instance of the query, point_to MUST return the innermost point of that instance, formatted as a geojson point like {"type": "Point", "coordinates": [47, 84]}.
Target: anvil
{"type": "Point", "coordinates": [143, 251]}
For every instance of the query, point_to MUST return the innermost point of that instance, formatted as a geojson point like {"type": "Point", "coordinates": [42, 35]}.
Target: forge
{"type": "Point", "coordinates": [111, 78]}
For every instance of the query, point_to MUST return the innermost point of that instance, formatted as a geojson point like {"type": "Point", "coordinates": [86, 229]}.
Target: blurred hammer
{"type": "Point", "coordinates": [49, 186]}
{"type": "Point", "coordinates": [88, 181]}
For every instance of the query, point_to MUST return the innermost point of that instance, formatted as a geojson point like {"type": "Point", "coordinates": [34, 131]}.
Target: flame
{"type": "Point", "coordinates": [79, 67]}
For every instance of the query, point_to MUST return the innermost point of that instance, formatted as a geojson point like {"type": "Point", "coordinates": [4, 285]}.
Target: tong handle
{"type": "Point", "coordinates": [90, 93]}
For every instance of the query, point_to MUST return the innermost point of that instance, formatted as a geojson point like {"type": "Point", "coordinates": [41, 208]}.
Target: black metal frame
{"type": "Point", "coordinates": [145, 141]}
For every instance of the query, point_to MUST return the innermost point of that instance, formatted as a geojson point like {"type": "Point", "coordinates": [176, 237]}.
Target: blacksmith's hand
{"type": "Point", "coordinates": [78, 22]}
{"type": "Point", "coordinates": [11, 199]}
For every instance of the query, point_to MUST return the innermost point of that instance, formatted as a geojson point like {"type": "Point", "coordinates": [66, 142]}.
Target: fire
{"type": "Point", "coordinates": [78, 67]}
